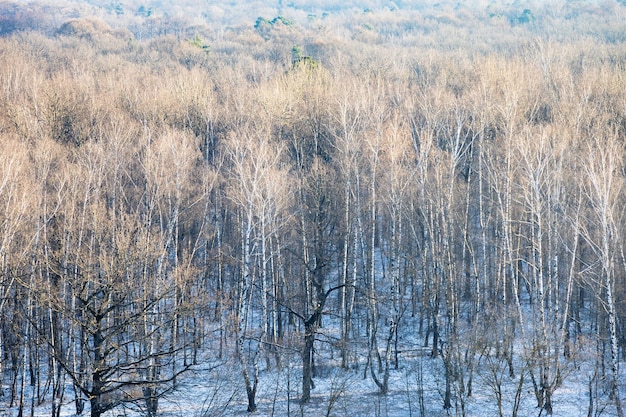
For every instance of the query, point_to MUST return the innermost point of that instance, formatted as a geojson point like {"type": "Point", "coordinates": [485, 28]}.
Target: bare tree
{"type": "Point", "coordinates": [259, 191]}
{"type": "Point", "coordinates": [95, 262]}
{"type": "Point", "coordinates": [603, 188]}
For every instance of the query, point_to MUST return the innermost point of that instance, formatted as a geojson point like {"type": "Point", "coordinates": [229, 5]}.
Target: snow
{"type": "Point", "coordinates": [218, 391]}
{"type": "Point", "coordinates": [215, 387]}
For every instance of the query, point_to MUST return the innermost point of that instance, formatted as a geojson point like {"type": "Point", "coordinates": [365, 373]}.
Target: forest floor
{"type": "Point", "coordinates": [416, 389]}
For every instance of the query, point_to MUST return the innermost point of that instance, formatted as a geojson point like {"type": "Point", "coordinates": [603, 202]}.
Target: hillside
{"type": "Point", "coordinates": [371, 209]}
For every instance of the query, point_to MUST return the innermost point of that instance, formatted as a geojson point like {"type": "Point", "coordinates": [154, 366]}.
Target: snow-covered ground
{"type": "Point", "coordinates": [339, 392]}
{"type": "Point", "coordinates": [416, 389]}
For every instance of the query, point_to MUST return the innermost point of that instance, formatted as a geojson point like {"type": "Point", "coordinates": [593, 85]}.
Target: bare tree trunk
{"type": "Point", "coordinates": [383, 383]}
{"type": "Point", "coordinates": [311, 325]}
{"type": "Point", "coordinates": [346, 313]}
{"type": "Point", "coordinates": [245, 294]}
{"type": "Point", "coordinates": [307, 362]}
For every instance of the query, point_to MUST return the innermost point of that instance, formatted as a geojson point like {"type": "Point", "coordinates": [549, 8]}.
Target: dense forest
{"type": "Point", "coordinates": [336, 189]}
